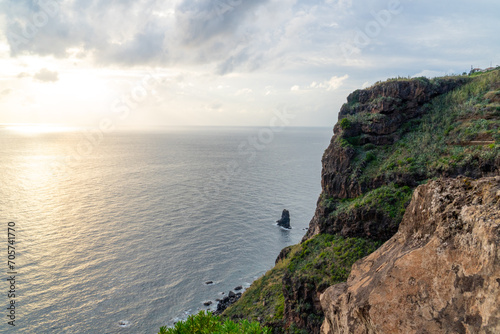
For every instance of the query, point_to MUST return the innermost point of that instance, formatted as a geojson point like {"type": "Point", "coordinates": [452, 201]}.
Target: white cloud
{"type": "Point", "coordinates": [244, 91]}
{"type": "Point", "coordinates": [334, 83]}
{"type": "Point", "coordinates": [295, 88]}
{"type": "Point", "coordinates": [428, 74]}
{"type": "Point", "coordinates": [23, 75]}
{"type": "Point", "coordinates": [46, 75]}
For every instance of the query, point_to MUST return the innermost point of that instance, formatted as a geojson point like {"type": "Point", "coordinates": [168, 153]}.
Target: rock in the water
{"type": "Point", "coordinates": [238, 288]}
{"type": "Point", "coordinates": [209, 282]}
{"type": "Point", "coordinates": [226, 302]}
{"type": "Point", "coordinates": [439, 273]}
{"type": "Point", "coordinates": [285, 219]}
{"type": "Point", "coordinates": [208, 303]}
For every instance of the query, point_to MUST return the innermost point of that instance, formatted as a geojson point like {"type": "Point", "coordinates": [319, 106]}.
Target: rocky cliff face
{"type": "Point", "coordinates": [439, 274]}
{"type": "Point", "coordinates": [373, 121]}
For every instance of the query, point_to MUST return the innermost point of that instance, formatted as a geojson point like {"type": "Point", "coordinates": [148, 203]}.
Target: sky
{"type": "Point", "coordinates": [148, 63]}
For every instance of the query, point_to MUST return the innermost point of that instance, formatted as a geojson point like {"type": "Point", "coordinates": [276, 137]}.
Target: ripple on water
{"type": "Point", "coordinates": [124, 237]}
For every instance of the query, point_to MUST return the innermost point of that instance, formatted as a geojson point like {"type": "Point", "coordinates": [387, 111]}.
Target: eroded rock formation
{"type": "Point", "coordinates": [284, 221]}
{"type": "Point", "coordinates": [439, 274]}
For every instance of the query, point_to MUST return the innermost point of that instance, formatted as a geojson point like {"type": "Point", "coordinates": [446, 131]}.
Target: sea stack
{"type": "Point", "coordinates": [285, 219]}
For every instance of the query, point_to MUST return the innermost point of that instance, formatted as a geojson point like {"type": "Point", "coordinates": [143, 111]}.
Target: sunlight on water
{"type": "Point", "coordinates": [123, 240]}
{"type": "Point", "coordinates": [34, 128]}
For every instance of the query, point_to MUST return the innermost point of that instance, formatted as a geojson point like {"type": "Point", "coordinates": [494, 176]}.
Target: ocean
{"type": "Point", "coordinates": [118, 233]}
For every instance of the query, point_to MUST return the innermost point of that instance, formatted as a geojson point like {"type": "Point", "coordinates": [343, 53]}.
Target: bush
{"type": "Point", "coordinates": [370, 156]}
{"type": "Point", "coordinates": [207, 323]}
{"type": "Point", "coordinates": [345, 123]}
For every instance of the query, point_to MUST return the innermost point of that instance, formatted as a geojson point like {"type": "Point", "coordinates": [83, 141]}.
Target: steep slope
{"type": "Point", "coordinates": [390, 138]}
{"type": "Point", "coordinates": [439, 274]}
{"type": "Point", "coordinates": [399, 134]}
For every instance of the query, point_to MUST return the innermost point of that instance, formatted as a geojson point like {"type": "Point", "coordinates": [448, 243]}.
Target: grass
{"type": "Point", "coordinates": [264, 299]}
{"type": "Point", "coordinates": [327, 259]}
{"type": "Point", "coordinates": [391, 199]}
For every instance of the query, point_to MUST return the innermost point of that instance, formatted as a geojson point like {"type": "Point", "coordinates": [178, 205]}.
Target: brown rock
{"type": "Point", "coordinates": [439, 274]}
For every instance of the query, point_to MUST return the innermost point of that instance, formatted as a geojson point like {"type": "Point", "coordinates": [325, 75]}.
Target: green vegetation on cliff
{"type": "Point", "coordinates": [327, 259]}
{"type": "Point", "coordinates": [320, 262]}
{"type": "Point", "coordinates": [264, 300]}
{"type": "Point", "coordinates": [390, 199]}
{"type": "Point", "coordinates": [311, 266]}
{"type": "Point", "coordinates": [458, 133]}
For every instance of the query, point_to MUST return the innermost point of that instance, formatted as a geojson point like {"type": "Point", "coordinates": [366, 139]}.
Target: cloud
{"type": "Point", "coordinates": [228, 36]}
{"type": "Point", "coordinates": [23, 75]}
{"type": "Point", "coordinates": [5, 92]}
{"type": "Point", "coordinates": [216, 106]}
{"type": "Point", "coordinates": [332, 84]}
{"type": "Point", "coordinates": [429, 74]}
{"type": "Point", "coordinates": [335, 82]}
{"type": "Point", "coordinates": [45, 75]}
{"type": "Point", "coordinates": [295, 88]}
{"type": "Point", "coordinates": [244, 91]}
{"type": "Point", "coordinates": [200, 21]}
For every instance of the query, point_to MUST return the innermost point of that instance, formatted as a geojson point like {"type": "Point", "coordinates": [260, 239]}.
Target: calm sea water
{"type": "Point", "coordinates": [131, 231]}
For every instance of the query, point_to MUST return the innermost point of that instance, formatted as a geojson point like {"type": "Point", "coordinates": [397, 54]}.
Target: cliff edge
{"type": "Point", "coordinates": [439, 274]}
{"type": "Point", "coordinates": [399, 134]}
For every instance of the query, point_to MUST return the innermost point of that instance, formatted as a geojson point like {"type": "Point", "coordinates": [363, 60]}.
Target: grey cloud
{"type": "Point", "coordinates": [95, 26]}
{"type": "Point", "coordinates": [202, 20]}
{"type": "Point", "coordinates": [245, 35]}
{"type": "Point", "coordinates": [45, 75]}
{"type": "Point", "coordinates": [130, 32]}
{"type": "Point", "coordinates": [145, 47]}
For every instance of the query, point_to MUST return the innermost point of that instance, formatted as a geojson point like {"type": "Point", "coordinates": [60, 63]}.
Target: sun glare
{"type": "Point", "coordinates": [34, 129]}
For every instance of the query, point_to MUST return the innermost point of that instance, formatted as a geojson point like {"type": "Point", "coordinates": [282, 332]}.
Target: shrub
{"type": "Point", "coordinates": [207, 323]}
{"type": "Point", "coordinates": [345, 123]}
{"type": "Point", "coordinates": [370, 156]}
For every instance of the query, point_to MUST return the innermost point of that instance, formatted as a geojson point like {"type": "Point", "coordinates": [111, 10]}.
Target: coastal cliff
{"type": "Point", "coordinates": [439, 274]}
{"type": "Point", "coordinates": [381, 139]}
{"type": "Point", "coordinates": [391, 138]}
